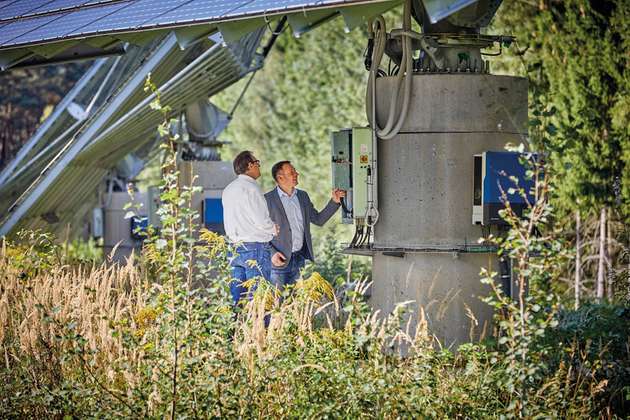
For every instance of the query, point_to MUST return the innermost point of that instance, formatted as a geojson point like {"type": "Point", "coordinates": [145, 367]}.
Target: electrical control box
{"type": "Point", "coordinates": [342, 169]}
{"type": "Point", "coordinates": [352, 169]}
{"type": "Point", "coordinates": [361, 169]}
{"type": "Point", "coordinates": [494, 173]}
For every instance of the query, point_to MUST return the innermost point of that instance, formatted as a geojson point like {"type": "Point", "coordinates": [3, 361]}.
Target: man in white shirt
{"type": "Point", "coordinates": [247, 224]}
{"type": "Point", "coordinates": [294, 212]}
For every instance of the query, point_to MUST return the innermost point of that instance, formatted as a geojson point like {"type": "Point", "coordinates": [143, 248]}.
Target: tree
{"type": "Point", "coordinates": [576, 58]}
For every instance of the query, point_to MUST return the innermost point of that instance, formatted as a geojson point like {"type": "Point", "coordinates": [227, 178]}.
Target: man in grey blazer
{"type": "Point", "coordinates": [294, 212]}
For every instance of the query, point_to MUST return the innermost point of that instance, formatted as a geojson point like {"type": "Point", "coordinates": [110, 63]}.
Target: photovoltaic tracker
{"type": "Point", "coordinates": [70, 23]}
{"type": "Point", "coordinates": [47, 20]}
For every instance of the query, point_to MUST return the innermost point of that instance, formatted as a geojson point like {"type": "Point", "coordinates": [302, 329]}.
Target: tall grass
{"type": "Point", "coordinates": [94, 341]}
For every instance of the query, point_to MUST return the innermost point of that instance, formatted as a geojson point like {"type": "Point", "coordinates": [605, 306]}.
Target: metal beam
{"type": "Point", "coordinates": [67, 100]}
{"type": "Point", "coordinates": [50, 174]}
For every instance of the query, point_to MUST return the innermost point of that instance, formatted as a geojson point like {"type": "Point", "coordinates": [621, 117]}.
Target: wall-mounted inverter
{"type": "Point", "coordinates": [213, 215]}
{"type": "Point", "coordinates": [496, 176]}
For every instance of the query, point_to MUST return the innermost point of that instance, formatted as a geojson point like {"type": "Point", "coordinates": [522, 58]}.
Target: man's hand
{"type": "Point", "coordinates": [337, 195]}
{"type": "Point", "coordinates": [278, 259]}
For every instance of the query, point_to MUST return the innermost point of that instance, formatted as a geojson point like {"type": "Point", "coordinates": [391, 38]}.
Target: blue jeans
{"type": "Point", "coordinates": [242, 270]}
{"type": "Point", "coordinates": [283, 277]}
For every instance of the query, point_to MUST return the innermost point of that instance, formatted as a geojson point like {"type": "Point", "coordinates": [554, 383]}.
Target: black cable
{"type": "Point", "coordinates": [368, 54]}
{"type": "Point", "coordinates": [274, 35]}
{"type": "Point", "coordinates": [361, 241]}
{"type": "Point", "coordinates": [354, 238]}
{"type": "Point", "coordinates": [366, 239]}
{"type": "Point", "coordinates": [360, 237]}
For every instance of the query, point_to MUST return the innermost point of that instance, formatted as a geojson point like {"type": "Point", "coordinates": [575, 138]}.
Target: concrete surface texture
{"type": "Point", "coordinates": [425, 190]}
{"type": "Point", "coordinates": [117, 240]}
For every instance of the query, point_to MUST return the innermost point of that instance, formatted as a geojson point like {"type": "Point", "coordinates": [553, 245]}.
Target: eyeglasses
{"type": "Point", "coordinates": [255, 162]}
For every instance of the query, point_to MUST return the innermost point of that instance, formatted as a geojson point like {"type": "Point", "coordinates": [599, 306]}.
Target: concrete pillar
{"type": "Point", "coordinates": [117, 229]}
{"type": "Point", "coordinates": [212, 176]}
{"type": "Point", "coordinates": [424, 237]}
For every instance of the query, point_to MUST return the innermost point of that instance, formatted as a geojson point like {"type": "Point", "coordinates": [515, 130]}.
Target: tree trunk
{"type": "Point", "coordinates": [578, 259]}
{"type": "Point", "coordinates": [601, 269]}
{"type": "Point", "coordinates": [609, 252]}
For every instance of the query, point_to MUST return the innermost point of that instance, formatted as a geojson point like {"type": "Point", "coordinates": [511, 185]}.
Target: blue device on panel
{"type": "Point", "coordinates": [139, 226]}
{"type": "Point", "coordinates": [494, 174]}
{"type": "Point", "coordinates": [213, 215]}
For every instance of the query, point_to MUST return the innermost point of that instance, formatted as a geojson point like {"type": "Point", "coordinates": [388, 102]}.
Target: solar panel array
{"type": "Point", "coordinates": [63, 183]}
{"type": "Point", "coordinates": [29, 22]}
{"type": "Point", "coordinates": [32, 30]}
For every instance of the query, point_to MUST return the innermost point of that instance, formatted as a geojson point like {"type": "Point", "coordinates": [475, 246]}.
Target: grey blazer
{"type": "Point", "coordinates": [283, 241]}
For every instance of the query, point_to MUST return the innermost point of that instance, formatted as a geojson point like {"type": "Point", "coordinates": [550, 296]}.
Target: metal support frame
{"type": "Point", "coordinates": [59, 109]}
{"type": "Point", "coordinates": [72, 128]}
{"type": "Point", "coordinates": [54, 170]}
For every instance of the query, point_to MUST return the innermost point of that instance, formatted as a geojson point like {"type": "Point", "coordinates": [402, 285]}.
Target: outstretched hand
{"type": "Point", "coordinates": [338, 194]}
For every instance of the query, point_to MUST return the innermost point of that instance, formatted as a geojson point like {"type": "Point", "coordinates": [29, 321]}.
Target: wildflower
{"type": "Point", "coordinates": [315, 287]}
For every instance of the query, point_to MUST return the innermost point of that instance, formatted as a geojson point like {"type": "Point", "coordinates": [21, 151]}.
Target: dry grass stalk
{"type": "Point", "coordinates": [36, 311]}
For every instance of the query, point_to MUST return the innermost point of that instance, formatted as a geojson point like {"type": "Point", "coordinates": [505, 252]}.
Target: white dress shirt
{"type": "Point", "coordinates": [292, 208]}
{"type": "Point", "coordinates": [245, 214]}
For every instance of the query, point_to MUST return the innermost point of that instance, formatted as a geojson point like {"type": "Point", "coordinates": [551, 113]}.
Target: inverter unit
{"type": "Point", "coordinates": [498, 176]}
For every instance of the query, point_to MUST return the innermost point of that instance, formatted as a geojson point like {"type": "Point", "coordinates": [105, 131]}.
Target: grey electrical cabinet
{"type": "Point", "coordinates": [342, 169]}
{"type": "Point", "coordinates": [351, 168]}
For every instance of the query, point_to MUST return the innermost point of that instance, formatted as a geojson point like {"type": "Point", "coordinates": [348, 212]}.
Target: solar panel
{"type": "Point", "coordinates": [199, 10]}
{"type": "Point", "coordinates": [3, 3]}
{"type": "Point", "coordinates": [261, 6]}
{"type": "Point", "coordinates": [71, 22]}
{"type": "Point", "coordinates": [71, 19]}
{"type": "Point", "coordinates": [132, 16]}
{"type": "Point", "coordinates": [21, 27]}
{"type": "Point", "coordinates": [19, 8]}
{"type": "Point", "coordinates": [55, 6]}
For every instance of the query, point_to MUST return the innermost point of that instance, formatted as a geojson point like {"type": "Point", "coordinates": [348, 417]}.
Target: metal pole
{"type": "Point", "coordinates": [24, 150]}
{"type": "Point", "coordinates": [54, 170]}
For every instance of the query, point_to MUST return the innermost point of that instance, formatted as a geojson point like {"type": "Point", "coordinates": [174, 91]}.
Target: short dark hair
{"type": "Point", "coordinates": [277, 167]}
{"type": "Point", "coordinates": [242, 161]}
